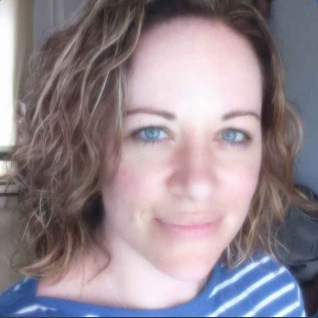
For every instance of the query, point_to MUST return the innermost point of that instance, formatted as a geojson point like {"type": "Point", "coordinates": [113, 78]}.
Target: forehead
{"type": "Point", "coordinates": [192, 55]}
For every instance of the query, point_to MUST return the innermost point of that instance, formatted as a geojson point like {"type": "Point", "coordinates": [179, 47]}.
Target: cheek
{"type": "Point", "coordinates": [131, 196]}
{"type": "Point", "coordinates": [128, 202]}
{"type": "Point", "coordinates": [133, 183]}
{"type": "Point", "coordinates": [140, 174]}
{"type": "Point", "coordinates": [245, 182]}
{"type": "Point", "coordinates": [239, 190]}
{"type": "Point", "coordinates": [241, 183]}
{"type": "Point", "coordinates": [125, 183]}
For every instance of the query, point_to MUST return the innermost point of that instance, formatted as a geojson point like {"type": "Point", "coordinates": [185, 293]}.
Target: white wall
{"type": "Point", "coordinates": [295, 27]}
{"type": "Point", "coordinates": [8, 12]}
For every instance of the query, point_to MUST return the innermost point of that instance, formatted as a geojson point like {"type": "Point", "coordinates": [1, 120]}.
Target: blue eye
{"type": "Point", "coordinates": [150, 134]}
{"type": "Point", "coordinates": [234, 136]}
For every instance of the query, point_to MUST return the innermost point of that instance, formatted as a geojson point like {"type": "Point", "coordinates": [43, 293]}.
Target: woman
{"type": "Point", "coordinates": [157, 155]}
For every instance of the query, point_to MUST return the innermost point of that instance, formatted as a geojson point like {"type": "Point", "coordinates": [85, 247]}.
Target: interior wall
{"type": "Point", "coordinates": [52, 14]}
{"type": "Point", "coordinates": [7, 242]}
{"type": "Point", "coordinates": [294, 25]}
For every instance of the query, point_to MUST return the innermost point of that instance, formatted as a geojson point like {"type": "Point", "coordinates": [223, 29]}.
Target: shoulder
{"type": "Point", "coordinates": [20, 300]}
{"type": "Point", "coordinates": [260, 287]}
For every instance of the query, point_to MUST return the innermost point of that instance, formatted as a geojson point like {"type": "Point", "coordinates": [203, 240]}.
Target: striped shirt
{"type": "Point", "coordinates": [261, 287]}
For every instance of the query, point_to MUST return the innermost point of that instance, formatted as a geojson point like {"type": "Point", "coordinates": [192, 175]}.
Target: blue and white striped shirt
{"type": "Point", "coordinates": [261, 287]}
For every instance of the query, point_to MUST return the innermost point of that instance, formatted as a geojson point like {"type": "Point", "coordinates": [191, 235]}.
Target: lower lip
{"type": "Point", "coordinates": [191, 231]}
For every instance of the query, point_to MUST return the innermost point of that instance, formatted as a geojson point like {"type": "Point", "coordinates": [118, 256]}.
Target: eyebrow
{"type": "Point", "coordinates": [171, 116]}
{"type": "Point", "coordinates": [162, 113]}
{"type": "Point", "coordinates": [240, 113]}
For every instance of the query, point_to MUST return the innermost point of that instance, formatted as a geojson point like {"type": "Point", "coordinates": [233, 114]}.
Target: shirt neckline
{"type": "Point", "coordinates": [191, 308]}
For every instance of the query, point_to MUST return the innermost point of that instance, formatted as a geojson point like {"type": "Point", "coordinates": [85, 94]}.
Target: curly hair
{"type": "Point", "coordinates": [74, 110]}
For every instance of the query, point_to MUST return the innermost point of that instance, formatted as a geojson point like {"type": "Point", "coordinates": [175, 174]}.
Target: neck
{"type": "Point", "coordinates": [122, 280]}
{"type": "Point", "coordinates": [137, 284]}
{"type": "Point", "coordinates": [133, 282]}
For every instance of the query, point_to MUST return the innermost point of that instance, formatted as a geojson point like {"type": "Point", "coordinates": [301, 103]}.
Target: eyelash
{"type": "Point", "coordinates": [136, 135]}
{"type": "Point", "coordinates": [246, 137]}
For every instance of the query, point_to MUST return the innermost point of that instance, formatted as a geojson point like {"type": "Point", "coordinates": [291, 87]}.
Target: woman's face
{"type": "Point", "coordinates": [192, 148]}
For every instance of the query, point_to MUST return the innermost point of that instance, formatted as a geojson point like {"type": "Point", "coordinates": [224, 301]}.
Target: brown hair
{"type": "Point", "coordinates": [74, 108]}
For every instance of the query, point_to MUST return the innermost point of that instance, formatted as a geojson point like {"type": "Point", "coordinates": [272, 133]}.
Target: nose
{"type": "Point", "coordinates": [194, 176]}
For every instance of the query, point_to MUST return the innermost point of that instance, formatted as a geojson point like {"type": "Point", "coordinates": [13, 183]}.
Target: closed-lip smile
{"type": "Point", "coordinates": [187, 229]}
